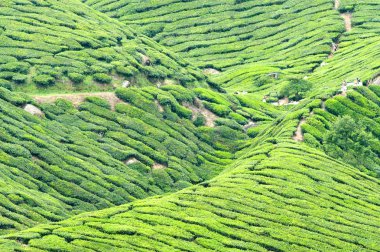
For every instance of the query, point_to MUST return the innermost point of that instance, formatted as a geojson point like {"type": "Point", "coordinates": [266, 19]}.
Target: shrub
{"type": "Point", "coordinates": [200, 120]}
{"type": "Point", "coordinates": [99, 101]}
{"type": "Point", "coordinates": [349, 141]}
{"type": "Point", "coordinates": [220, 110]}
{"type": "Point", "coordinates": [254, 131]}
{"type": "Point", "coordinates": [229, 123]}
{"type": "Point", "coordinates": [126, 71]}
{"type": "Point", "coordinates": [6, 84]}
{"type": "Point", "coordinates": [76, 77]}
{"type": "Point", "coordinates": [102, 78]}
{"type": "Point", "coordinates": [263, 80]}
{"type": "Point", "coordinates": [19, 78]}
{"type": "Point", "coordinates": [17, 67]}
{"type": "Point", "coordinates": [238, 118]}
{"type": "Point", "coordinates": [44, 80]}
{"type": "Point", "coordinates": [152, 29]}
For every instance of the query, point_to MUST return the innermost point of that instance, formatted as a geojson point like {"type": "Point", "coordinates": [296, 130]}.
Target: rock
{"type": "Point", "coordinates": [283, 101]}
{"type": "Point", "coordinates": [126, 84]}
{"type": "Point", "coordinates": [168, 82]}
{"type": "Point", "coordinates": [376, 81]}
{"type": "Point", "coordinates": [146, 60]}
{"type": "Point", "coordinates": [211, 71]}
{"type": "Point", "coordinates": [158, 166]}
{"type": "Point", "coordinates": [131, 161]}
{"type": "Point", "coordinates": [250, 124]}
{"type": "Point", "coordinates": [274, 75]}
{"type": "Point", "coordinates": [31, 109]}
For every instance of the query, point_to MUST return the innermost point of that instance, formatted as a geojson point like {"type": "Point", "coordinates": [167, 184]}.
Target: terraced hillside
{"type": "Point", "coordinates": [242, 39]}
{"type": "Point", "coordinates": [361, 109]}
{"type": "Point", "coordinates": [129, 125]}
{"type": "Point", "coordinates": [54, 45]}
{"type": "Point", "coordinates": [87, 158]}
{"type": "Point", "coordinates": [279, 196]}
{"type": "Point", "coordinates": [358, 51]}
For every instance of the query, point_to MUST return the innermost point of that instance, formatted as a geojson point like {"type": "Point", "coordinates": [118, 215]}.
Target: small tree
{"type": "Point", "coordinates": [296, 89]}
{"type": "Point", "coordinates": [263, 80]}
{"type": "Point", "coordinates": [348, 140]}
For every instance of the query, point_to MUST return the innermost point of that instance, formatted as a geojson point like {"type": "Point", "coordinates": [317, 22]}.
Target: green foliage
{"type": "Point", "coordinates": [350, 141]}
{"type": "Point", "coordinates": [200, 120]}
{"type": "Point", "coordinates": [76, 77]}
{"type": "Point", "coordinates": [44, 80]}
{"type": "Point", "coordinates": [263, 80]}
{"type": "Point", "coordinates": [296, 89]}
{"type": "Point", "coordinates": [264, 193]}
{"type": "Point", "coordinates": [102, 78]}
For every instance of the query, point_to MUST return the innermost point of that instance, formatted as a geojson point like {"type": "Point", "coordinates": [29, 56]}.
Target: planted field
{"type": "Point", "coordinates": [242, 39]}
{"type": "Point", "coordinates": [90, 157]}
{"type": "Point", "coordinates": [53, 45]}
{"type": "Point", "coordinates": [361, 109]}
{"type": "Point", "coordinates": [230, 125]}
{"type": "Point", "coordinates": [282, 198]}
{"type": "Point", "coordinates": [358, 49]}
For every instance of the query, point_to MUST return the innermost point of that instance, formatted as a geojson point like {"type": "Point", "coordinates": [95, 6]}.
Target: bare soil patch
{"type": "Point", "coordinates": [78, 98]}
{"type": "Point", "coordinates": [298, 136]}
{"type": "Point", "coordinates": [157, 166]}
{"type": "Point", "coordinates": [347, 21]}
{"type": "Point", "coordinates": [198, 108]}
{"type": "Point", "coordinates": [211, 71]}
{"type": "Point", "coordinates": [131, 161]}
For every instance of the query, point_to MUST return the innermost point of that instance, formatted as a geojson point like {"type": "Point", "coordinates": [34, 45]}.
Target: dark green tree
{"type": "Point", "coordinates": [296, 89]}
{"type": "Point", "coordinates": [349, 141]}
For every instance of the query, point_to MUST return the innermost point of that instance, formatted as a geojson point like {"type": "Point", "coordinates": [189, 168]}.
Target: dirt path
{"type": "Point", "coordinates": [298, 136]}
{"type": "Point", "coordinates": [374, 81]}
{"type": "Point", "coordinates": [337, 4]}
{"type": "Point", "coordinates": [347, 21]}
{"type": "Point", "coordinates": [323, 105]}
{"type": "Point", "coordinates": [78, 98]}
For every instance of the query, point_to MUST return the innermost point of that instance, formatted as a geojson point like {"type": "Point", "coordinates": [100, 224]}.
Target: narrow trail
{"type": "Point", "coordinates": [298, 136]}
{"type": "Point", "coordinates": [78, 98]}
{"type": "Point", "coordinates": [337, 4]}
{"type": "Point", "coordinates": [323, 105]}
{"type": "Point", "coordinates": [347, 17]}
{"type": "Point", "coordinates": [347, 21]}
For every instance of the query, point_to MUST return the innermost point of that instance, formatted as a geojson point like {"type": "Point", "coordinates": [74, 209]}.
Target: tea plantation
{"type": "Point", "coordinates": [49, 45]}
{"type": "Point", "coordinates": [278, 196]}
{"type": "Point", "coordinates": [231, 125]}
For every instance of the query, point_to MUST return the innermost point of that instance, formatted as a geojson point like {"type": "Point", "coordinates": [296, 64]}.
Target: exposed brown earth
{"type": "Point", "coordinates": [298, 136]}
{"type": "Point", "coordinates": [78, 98]}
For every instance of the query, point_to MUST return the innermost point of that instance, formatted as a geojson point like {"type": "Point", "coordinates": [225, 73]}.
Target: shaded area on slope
{"type": "Point", "coordinates": [79, 159]}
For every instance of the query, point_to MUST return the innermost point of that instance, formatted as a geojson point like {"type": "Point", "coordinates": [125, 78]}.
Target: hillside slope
{"type": "Point", "coordinates": [247, 39]}
{"type": "Point", "coordinates": [54, 46]}
{"type": "Point", "coordinates": [358, 50]}
{"type": "Point", "coordinates": [165, 159]}
{"type": "Point", "coordinates": [242, 39]}
{"type": "Point", "coordinates": [279, 197]}
{"type": "Point", "coordinates": [91, 157]}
